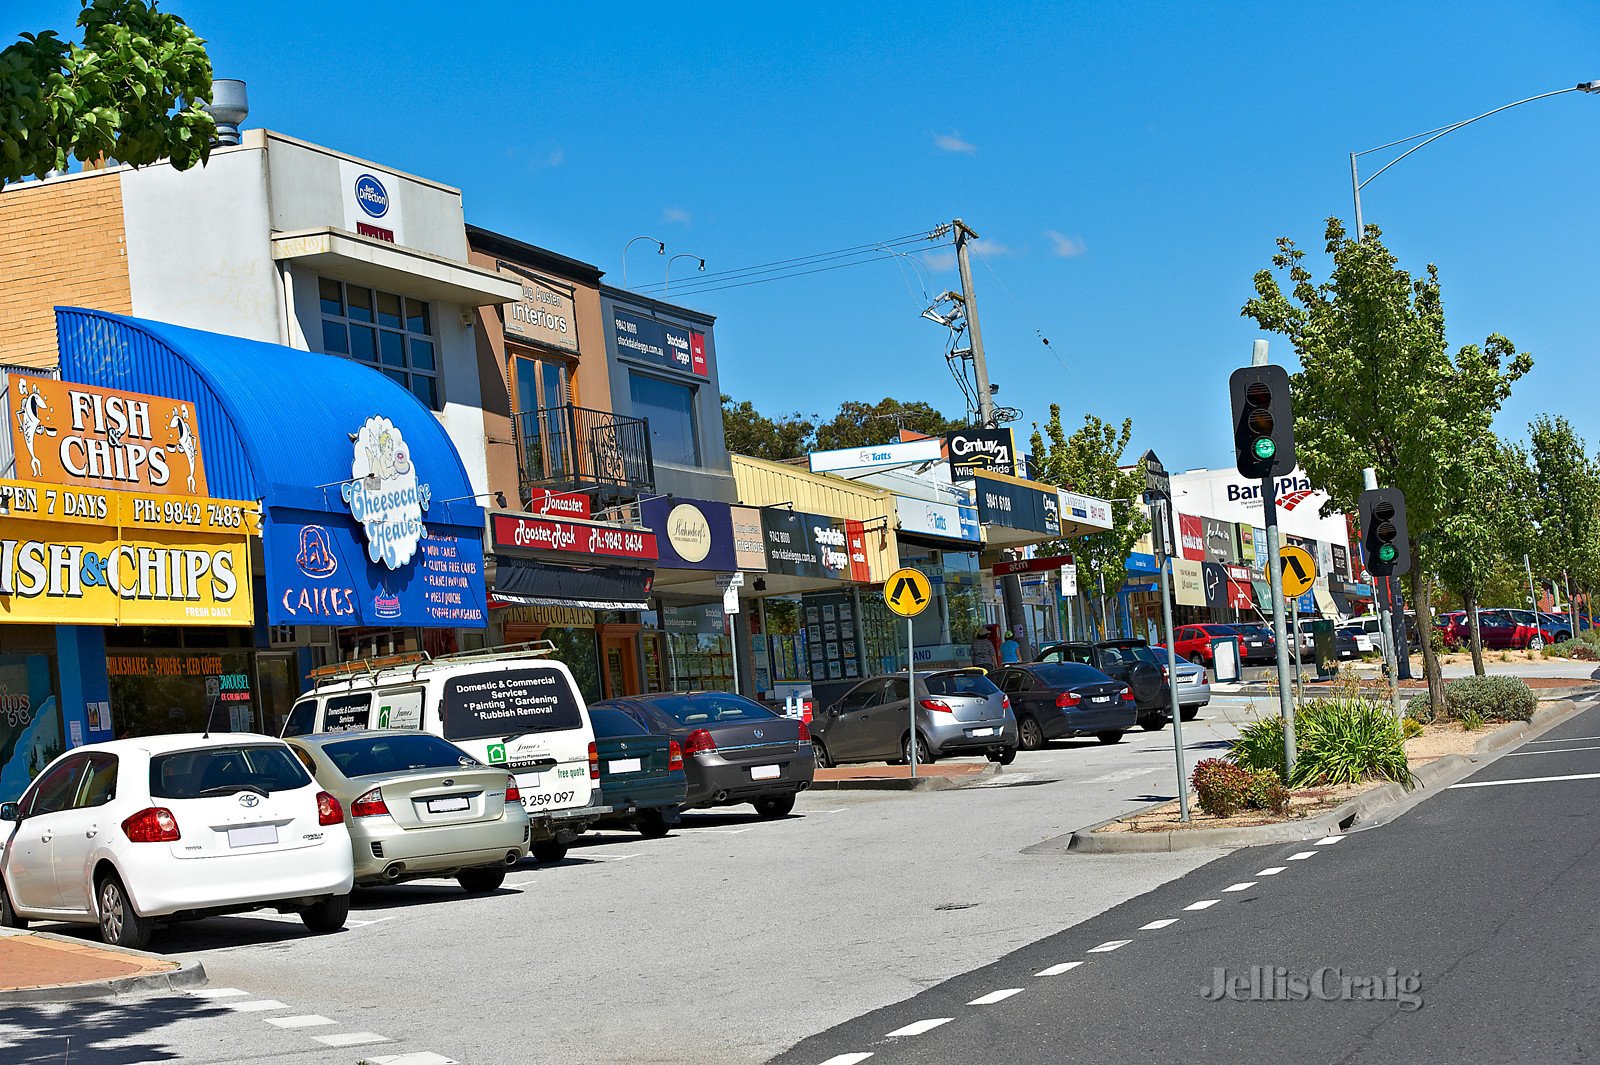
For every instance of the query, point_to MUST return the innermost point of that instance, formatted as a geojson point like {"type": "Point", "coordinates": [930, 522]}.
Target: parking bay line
{"type": "Point", "coordinates": [848, 1059]}
{"type": "Point", "coordinates": [351, 1039]}
{"type": "Point", "coordinates": [425, 1057]}
{"type": "Point", "coordinates": [1202, 904]}
{"type": "Point", "coordinates": [304, 1020]}
{"type": "Point", "coordinates": [1525, 780]}
{"type": "Point", "coordinates": [995, 996]}
{"type": "Point", "coordinates": [218, 992]}
{"type": "Point", "coordinates": [257, 1005]}
{"type": "Point", "coordinates": [1302, 856]}
{"type": "Point", "coordinates": [1272, 870]}
{"type": "Point", "coordinates": [1153, 925]}
{"type": "Point", "coordinates": [1108, 946]}
{"type": "Point", "coordinates": [1242, 886]}
{"type": "Point", "coordinates": [1563, 750]}
{"type": "Point", "coordinates": [1567, 739]}
{"type": "Point", "coordinates": [919, 1027]}
{"type": "Point", "coordinates": [1057, 970]}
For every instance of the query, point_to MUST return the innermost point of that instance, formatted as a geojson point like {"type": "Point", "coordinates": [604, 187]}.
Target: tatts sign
{"type": "Point", "coordinates": [95, 437]}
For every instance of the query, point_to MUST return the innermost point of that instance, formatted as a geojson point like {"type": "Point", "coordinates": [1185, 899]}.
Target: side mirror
{"type": "Point", "coordinates": [10, 811]}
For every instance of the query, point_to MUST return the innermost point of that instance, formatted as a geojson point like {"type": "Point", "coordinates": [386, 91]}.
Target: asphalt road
{"type": "Point", "coordinates": [1462, 931]}
{"type": "Point", "coordinates": [726, 942]}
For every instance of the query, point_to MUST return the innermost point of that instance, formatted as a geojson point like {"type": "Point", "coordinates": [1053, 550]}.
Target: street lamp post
{"type": "Point", "coordinates": [661, 249]}
{"type": "Point", "coordinates": [1356, 184]}
{"type": "Point", "coordinates": [666, 280]}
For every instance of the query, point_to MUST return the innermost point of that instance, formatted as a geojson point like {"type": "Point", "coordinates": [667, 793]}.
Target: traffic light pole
{"type": "Point", "coordinates": [1391, 670]}
{"type": "Point", "coordinates": [1269, 509]}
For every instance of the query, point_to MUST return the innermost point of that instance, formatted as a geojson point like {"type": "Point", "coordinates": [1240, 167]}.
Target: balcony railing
{"type": "Point", "coordinates": [567, 447]}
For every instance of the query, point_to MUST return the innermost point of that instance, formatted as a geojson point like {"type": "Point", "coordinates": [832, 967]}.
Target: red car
{"type": "Point", "coordinates": [1499, 629]}
{"type": "Point", "coordinates": [1194, 642]}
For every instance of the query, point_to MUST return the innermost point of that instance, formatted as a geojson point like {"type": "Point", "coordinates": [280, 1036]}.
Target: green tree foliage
{"type": "Point", "coordinates": [1477, 529]}
{"type": "Point", "coordinates": [1090, 461]}
{"type": "Point", "coordinates": [1378, 386]}
{"type": "Point", "coordinates": [1563, 504]}
{"type": "Point", "coordinates": [861, 424]}
{"type": "Point", "coordinates": [132, 90]}
{"type": "Point", "coordinates": [749, 432]}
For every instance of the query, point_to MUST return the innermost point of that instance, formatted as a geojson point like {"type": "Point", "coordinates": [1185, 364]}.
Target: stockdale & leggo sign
{"type": "Point", "coordinates": [384, 495]}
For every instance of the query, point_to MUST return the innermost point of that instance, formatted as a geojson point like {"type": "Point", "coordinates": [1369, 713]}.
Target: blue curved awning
{"type": "Point", "coordinates": [276, 425]}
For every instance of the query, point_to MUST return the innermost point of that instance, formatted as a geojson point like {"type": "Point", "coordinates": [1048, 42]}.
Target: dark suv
{"type": "Point", "coordinates": [1134, 664]}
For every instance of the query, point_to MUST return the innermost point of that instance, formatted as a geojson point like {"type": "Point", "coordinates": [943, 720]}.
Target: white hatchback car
{"type": "Point", "coordinates": [123, 833]}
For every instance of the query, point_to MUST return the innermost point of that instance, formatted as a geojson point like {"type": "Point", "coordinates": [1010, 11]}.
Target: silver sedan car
{"type": "Point", "coordinates": [1194, 685]}
{"type": "Point", "coordinates": [419, 806]}
{"type": "Point", "coordinates": [958, 711]}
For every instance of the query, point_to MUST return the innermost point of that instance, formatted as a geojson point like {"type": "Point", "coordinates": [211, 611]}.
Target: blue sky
{"type": "Point", "coordinates": [1128, 165]}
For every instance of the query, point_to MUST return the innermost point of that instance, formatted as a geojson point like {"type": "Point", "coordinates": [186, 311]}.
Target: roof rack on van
{"type": "Point", "coordinates": [417, 659]}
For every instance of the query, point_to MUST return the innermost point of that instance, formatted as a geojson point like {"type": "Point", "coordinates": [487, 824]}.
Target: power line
{"type": "Point", "coordinates": [1022, 307]}
{"type": "Point", "coordinates": [781, 277]}
{"type": "Point", "coordinates": [720, 276]}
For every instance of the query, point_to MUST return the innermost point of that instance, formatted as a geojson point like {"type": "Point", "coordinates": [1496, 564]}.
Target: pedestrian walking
{"type": "Point", "coordinates": [984, 654]}
{"type": "Point", "coordinates": [1010, 650]}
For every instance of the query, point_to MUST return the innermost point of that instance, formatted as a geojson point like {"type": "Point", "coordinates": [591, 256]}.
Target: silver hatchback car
{"type": "Point", "coordinates": [958, 711]}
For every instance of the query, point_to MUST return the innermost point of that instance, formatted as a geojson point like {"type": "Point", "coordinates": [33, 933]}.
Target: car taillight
{"type": "Point", "coordinates": [152, 825]}
{"type": "Point", "coordinates": [938, 705]}
{"type": "Point", "coordinates": [329, 812]}
{"type": "Point", "coordinates": [370, 804]}
{"type": "Point", "coordinates": [805, 734]}
{"type": "Point", "coordinates": [675, 755]}
{"type": "Point", "coordinates": [1005, 702]}
{"type": "Point", "coordinates": [513, 793]}
{"type": "Point", "coordinates": [1165, 676]}
{"type": "Point", "coordinates": [1205, 678]}
{"type": "Point", "coordinates": [1068, 699]}
{"type": "Point", "coordinates": [594, 762]}
{"type": "Point", "coordinates": [697, 741]}
{"type": "Point", "coordinates": [1127, 695]}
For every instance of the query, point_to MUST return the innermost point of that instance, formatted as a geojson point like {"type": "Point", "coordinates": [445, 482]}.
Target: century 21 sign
{"type": "Point", "coordinates": [95, 437]}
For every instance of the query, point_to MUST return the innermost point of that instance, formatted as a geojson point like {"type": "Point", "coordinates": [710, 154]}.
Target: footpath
{"type": "Point", "coordinates": [43, 967]}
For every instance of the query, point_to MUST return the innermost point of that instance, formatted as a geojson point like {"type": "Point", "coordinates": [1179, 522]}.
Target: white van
{"type": "Point", "coordinates": [506, 706]}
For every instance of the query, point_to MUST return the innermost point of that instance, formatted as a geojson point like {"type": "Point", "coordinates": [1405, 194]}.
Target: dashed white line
{"type": "Point", "coordinates": [1273, 871]}
{"type": "Point", "coordinates": [918, 1027]}
{"type": "Point", "coordinates": [1244, 886]}
{"type": "Point", "coordinates": [218, 992]}
{"type": "Point", "coordinates": [1153, 925]}
{"type": "Point", "coordinates": [259, 1005]}
{"type": "Point", "coordinates": [847, 1059]}
{"type": "Point", "coordinates": [1328, 841]}
{"type": "Point", "coordinates": [996, 996]}
{"type": "Point", "coordinates": [304, 1020]}
{"type": "Point", "coordinates": [351, 1039]}
{"type": "Point", "coordinates": [1108, 946]}
{"type": "Point", "coordinates": [1057, 970]}
{"type": "Point", "coordinates": [1203, 904]}
{"type": "Point", "coordinates": [426, 1057]}
{"type": "Point", "coordinates": [1567, 739]}
{"type": "Point", "coordinates": [1302, 856]}
{"type": "Point", "coordinates": [1525, 780]}
{"type": "Point", "coordinates": [1563, 750]}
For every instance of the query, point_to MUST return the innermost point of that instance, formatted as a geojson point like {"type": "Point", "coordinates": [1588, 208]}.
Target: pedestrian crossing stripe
{"type": "Point", "coordinates": [907, 592]}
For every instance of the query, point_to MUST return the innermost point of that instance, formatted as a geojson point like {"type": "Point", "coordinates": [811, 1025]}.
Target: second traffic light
{"type": "Point", "coordinates": [1384, 539]}
{"type": "Point", "coordinates": [1263, 421]}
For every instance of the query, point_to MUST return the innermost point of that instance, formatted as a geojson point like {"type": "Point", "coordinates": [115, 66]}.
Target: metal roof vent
{"type": "Point", "coordinates": [229, 106]}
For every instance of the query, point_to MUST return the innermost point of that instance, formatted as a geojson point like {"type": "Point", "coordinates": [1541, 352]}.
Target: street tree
{"type": "Point", "coordinates": [1090, 461]}
{"type": "Point", "coordinates": [749, 432]}
{"type": "Point", "coordinates": [1378, 386]}
{"type": "Point", "coordinates": [1477, 527]}
{"type": "Point", "coordinates": [1563, 503]}
{"type": "Point", "coordinates": [860, 424]}
{"type": "Point", "coordinates": [131, 90]}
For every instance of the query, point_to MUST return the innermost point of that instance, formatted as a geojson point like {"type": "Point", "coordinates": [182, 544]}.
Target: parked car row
{"type": "Point", "coordinates": [1503, 629]}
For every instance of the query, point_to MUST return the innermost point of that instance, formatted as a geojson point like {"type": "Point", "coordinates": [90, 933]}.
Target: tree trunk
{"type": "Point", "coordinates": [1470, 601]}
{"type": "Point", "coordinates": [1422, 596]}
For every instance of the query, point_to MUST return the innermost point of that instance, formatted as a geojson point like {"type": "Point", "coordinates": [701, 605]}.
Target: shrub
{"type": "Point", "coordinates": [1584, 650]}
{"type": "Point", "coordinates": [1491, 698]}
{"type": "Point", "coordinates": [1419, 709]}
{"type": "Point", "coordinates": [1259, 746]}
{"type": "Point", "coordinates": [1220, 786]}
{"type": "Point", "coordinates": [1267, 792]}
{"type": "Point", "coordinates": [1410, 727]}
{"type": "Point", "coordinates": [1337, 741]}
{"type": "Point", "coordinates": [1471, 721]}
{"type": "Point", "coordinates": [1590, 635]}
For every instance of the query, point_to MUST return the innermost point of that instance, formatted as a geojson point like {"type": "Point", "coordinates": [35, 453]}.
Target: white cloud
{"type": "Point", "coordinates": [945, 259]}
{"type": "Point", "coordinates": [952, 142]}
{"type": "Point", "coordinates": [1065, 246]}
{"type": "Point", "coordinates": [678, 215]}
{"type": "Point", "coordinates": [556, 157]}
{"type": "Point", "coordinates": [994, 248]}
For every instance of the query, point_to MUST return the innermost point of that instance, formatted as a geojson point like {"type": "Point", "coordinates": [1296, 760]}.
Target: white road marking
{"type": "Point", "coordinates": [996, 996]}
{"type": "Point", "coordinates": [721, 831]}
{"type": "Point", "coordinates": [259, 1005]}
{"type": "Point", "coordinates": [426, 1057]}
{"type": "Point", "coordinates": [1563, 750]}
{"type": "Point", "coordinates": [1273, 871]}
{"type": "Point", "coordinates": [1245, 886]}
{"type": "Point", "coordinates": [304, 1020]}
{"type": "Point", "coordinates": [1567, 739]}
{"type": "Point", "coordinates": [1123, 774]}
{"type": "Point", "coordinates": [614, 858]}
{"type": "Point", "coordinates": [1164, 922]}
{"type": "Point", "coordinates": [1302, 856]}
{"type": "Point", "coordinates": [1057, 970]}
{"type": "Point", "coordinates": [1526, 780]}
{"type": "Point", "coordinates": [1203, 904]}
{"type": "Point", "coordinates": [847, 1059]}
{"type": "Point", "coordinates": [1108, 946]}
{"type": "Point", "coordinates": [351, 1039]}
{"type": "Point", "coordinates": [918, 1027]}
{"type": "Point", "coordinates": [218, 992]}
{"type": "Point", "coordinates": [1328, 841]}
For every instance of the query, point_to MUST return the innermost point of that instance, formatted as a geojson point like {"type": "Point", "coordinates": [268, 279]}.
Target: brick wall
{"type": "Point", "coordinates": [61, 242]}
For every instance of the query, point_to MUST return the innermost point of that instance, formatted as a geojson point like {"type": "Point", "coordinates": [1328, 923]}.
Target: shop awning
{"type": "Point", "coordinates": [1325, 604]}
{"type": "Point", "coordinates": [525, 581]}
{"type": "Point", "coordinates": [384, 265]}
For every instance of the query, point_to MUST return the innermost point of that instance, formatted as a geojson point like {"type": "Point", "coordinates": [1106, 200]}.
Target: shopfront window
{"type": "Point", "coordinates": [699, 655]}
{"type": "Point", "coordinates": [164, 692]}
{"type": "Point", "coordinates": [387, 331]}
{"type": "Point", "coordinates": [30, 720]}
{"type": "Point", "coordinates": [669, 407]}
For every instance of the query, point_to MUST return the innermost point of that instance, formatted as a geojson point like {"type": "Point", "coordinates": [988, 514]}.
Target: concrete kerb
{"type": "Point", "coordinates": [1428, 778]}
{"type": "Point", "coordinates": [189, 973]}
{"type": "Point", "coordinates": [907, 783]}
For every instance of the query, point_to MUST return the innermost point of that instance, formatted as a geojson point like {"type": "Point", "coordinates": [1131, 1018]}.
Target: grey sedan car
{"type": "Point", "coordinates": [419, 806]}
{"type": "Point", "coordinates": [1194, 685]}
{"type": "Point", "coordinates": [958, 711]}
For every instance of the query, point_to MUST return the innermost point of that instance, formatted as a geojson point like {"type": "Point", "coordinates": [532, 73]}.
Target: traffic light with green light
{"type": "Point", "coordinates": [1263, 421]}
{"type": "Point", "coordinates": [1384, 540]}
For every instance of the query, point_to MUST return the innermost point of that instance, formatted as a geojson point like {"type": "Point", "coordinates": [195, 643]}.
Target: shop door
{"type": "Point", "coordinates": [277, 685]}
{"type": "Point", "coordinates": [620, 660]}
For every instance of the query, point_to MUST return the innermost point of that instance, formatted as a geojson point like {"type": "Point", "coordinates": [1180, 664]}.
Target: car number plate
{"type": "Point", "coordinates": [982, 732]}
{"type": "Point", "coordinates": [625, 765]}
{"type": "Point", "coordinates": [449, 806]}
{"type": "Point", "coordinates": [764, 772]}
{"type": "Point", "coordinates": [1101, 699]}
{"type": "Point", "coordinates": [254, 836]}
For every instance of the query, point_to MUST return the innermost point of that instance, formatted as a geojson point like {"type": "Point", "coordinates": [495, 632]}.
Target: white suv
{"type": "Point", "coordinates": [122, 833]}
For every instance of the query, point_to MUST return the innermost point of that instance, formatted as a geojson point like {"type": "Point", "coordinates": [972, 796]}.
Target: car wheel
{"type": "Point", "coordinates": [1030, 734]}
{"type": "Point", "coordinates": [1188, 713]}
{"type": "Point", "coordinates": [549, 851]}
{"type": "Point", "coordinates": [1109, 737]}
{"type": "Point", "coordinates": [1536, 644]}
{"type": "Point", "coordinates": [652, 824]}
{"type": "Point", "coordinates": [482, 880]}
{"type": "Point", "coordinates": [120, 923]}
{"type": "Point", "coordinates": [1197, 658]}
{"type": "Point", "coordinates": [923, 757]}
{"type": "Point", "coordinates": [820, 753]}
{"type": "Point", "coordinates": [327, 915]}
{"type": "Point", "coordinates": [772, 807]}
{"type": "Point", "coordinates": [8, 916]}
{"type": "Point", "coordinates": [1153, 723]}
{"type": "Point", "coordinates": [1005, 757]}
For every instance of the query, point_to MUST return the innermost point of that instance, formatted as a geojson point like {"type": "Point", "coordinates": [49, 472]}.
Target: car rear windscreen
{"type": "Point", "coordinates": [395, 754]}
{"type": "Point", "coordinates": [710, 708]}
{"type": "Point", "coordinates": [608, 723]}
{"type": "Point", "coordinates": [1067, 674]}
{"type": "Point", "coordinates": [509, 702]}
{"type": "Point", "coordinates": [225, 770]}
{"type": "Point", "coordinates": [973, 683]}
